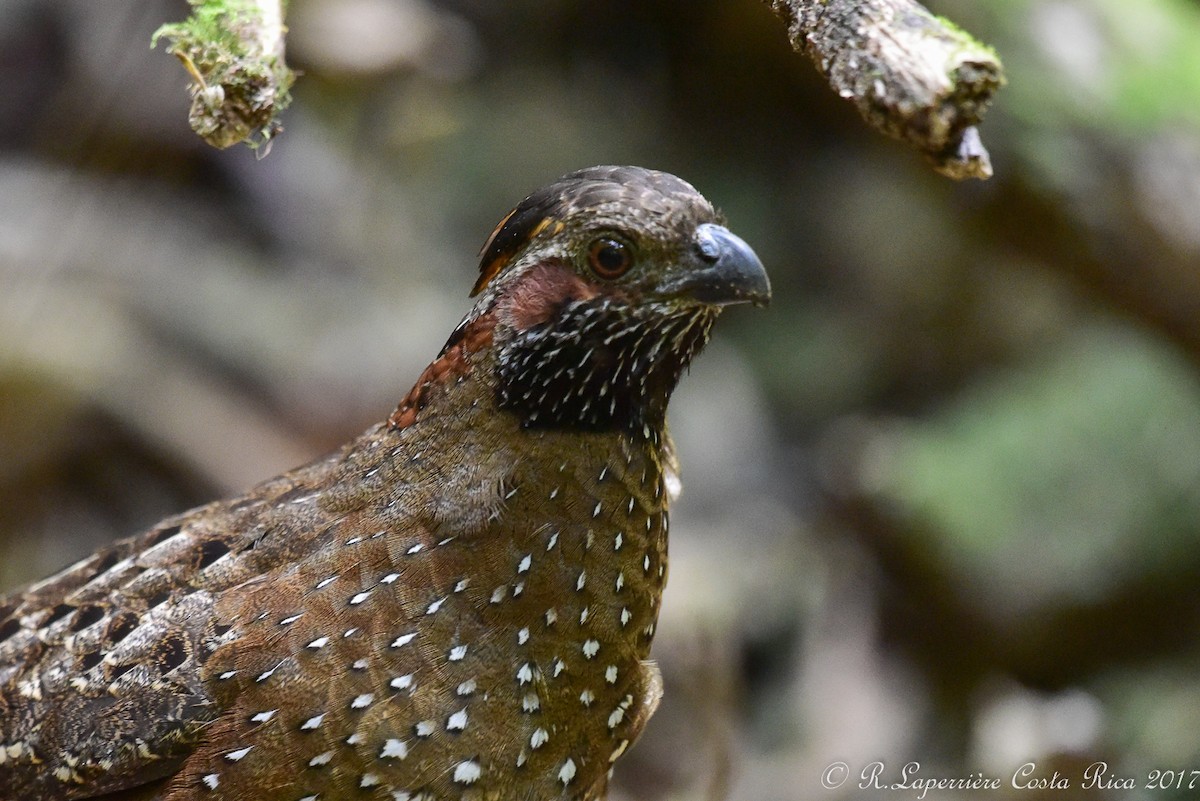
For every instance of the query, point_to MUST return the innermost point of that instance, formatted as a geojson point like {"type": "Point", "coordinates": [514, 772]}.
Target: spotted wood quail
{"type": "Point", "coordinates": [457, 604]}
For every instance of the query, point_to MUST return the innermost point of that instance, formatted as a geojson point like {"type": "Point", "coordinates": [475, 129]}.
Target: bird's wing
{"type": "Point", "coordinates": [84, 655]}
{"type": "Point", "coordinates": [102, 685]}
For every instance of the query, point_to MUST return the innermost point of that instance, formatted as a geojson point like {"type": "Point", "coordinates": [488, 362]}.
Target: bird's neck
{"type": "Point", "coordinates": [468, 423]}
{"type": "Point", "coordinates": [598, 365]}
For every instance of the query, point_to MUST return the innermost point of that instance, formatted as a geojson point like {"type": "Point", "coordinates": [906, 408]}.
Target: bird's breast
{"type": "Point", "coordinates": [416, 659]}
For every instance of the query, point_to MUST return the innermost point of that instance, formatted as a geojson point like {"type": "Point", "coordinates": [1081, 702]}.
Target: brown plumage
{"type": "Point", "coordinates": [457, 604]}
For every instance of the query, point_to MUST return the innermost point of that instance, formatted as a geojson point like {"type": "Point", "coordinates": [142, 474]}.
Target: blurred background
{"type": "Point", "coordinates": [942, 497]}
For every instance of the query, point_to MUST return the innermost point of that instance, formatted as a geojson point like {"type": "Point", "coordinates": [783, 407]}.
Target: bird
{"type": "Point", "coordinates": [457, 604]}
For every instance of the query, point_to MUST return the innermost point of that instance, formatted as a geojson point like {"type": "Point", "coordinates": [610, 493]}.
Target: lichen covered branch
{"type": "Point", "coordinates": [912, 75]}
{"type": "Point", "coordinates": [233, 49]}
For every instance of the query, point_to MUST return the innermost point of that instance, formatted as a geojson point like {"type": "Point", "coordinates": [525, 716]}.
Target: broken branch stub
{"type": "Point", "coordinates": [233, 49]}
{"type": "Point", "coordinates": [912, 75]}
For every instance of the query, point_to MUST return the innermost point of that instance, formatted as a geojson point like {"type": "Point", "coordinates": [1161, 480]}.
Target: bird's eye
{"type": "Point", "coordinates": [609, 258]}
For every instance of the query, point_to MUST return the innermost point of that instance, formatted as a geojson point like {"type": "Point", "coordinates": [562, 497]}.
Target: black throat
{"type": "Point", "coordinates": [600, 365]}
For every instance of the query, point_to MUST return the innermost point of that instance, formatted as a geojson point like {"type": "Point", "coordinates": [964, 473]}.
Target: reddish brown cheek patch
{"type": "Point", "coordinates": [541, 292]}
{"type": "Point", "coordinates": [448, 367]}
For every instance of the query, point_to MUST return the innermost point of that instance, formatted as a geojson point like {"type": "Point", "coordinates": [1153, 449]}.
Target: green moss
{"type": "Point", "coordinates": [234, 56]}
{"type": "Point", "coordinates": [969, 44]}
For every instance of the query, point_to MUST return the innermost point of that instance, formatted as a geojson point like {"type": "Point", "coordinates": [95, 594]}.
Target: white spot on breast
{"type": "Point", "coordinates": [539, 738]}
{"type": "Point", "coordinates": [321, 759]}
{"type": "Point", "coordinates": [583, 616]}
{"type": "Point", "coordinates": [287, 621]}
{"type": "Point", "coordinates": [499, 593]}
{"type": "Point", "coordinates": [350, 632]}
{"type": "Point", "coordinates": [551, 616]}
{"type": "Point", "coordinates": [320, 642]}
{"type": "Point", "coordinates": [415, 549]}
{"type": "Point", "coordinates": [531, 702]}
{"type": "Point", "coordinates": [615, 718]}
{"type": "Point", "coordinates": [462, 585]}
{"type": "Point", "coordinates": [369, 780]}
{"type": "Point", "coordinates": [312, 723]}
{"type": "Point", "coordinates": [360, 597]}
{"type": "Point", "coordinates": [436, 605]}
{"type": "Point", "coordinates": [394, 749]}
{"type": "Point", "coordinates": [525, 674]}
{"type": "Point", "coordinates": [425, 728]}
{"type": "Point", "coordinates": [610, 674]}
{"type": "Point", "coordinates": [586, 697]}
{"type": "Point", "coordinates": [457, 721]}
{"type": "Point", "coordinates": [590, 648]}
{"type": "Point", "coordinates": [523, 566]}
{"type": "Point", "coordinates": [359, 664]}
{"type": "Point", "coordinates": [227, 675]}
{"type": "Point", "coordinates": [620, 583]}
{"type": "Point", "coordinates": [625, 616]}
{"type": "Point", "coordinates": [403, 639]}
{"type": "Point", "coordinates": [567, 772]}
{"type": "Point", "coordinates": [466, 688]}
{"type": "Point", "coordinates": [581, 582]}
{"type": "Point", "coordinates": [457, 653]}
{"type": "Point", "coordinates": [618, 541]}
{"type": "Point", "coordinates": [467, 772]}
{"type": "Point", "coordinates": [266, 674]}
{"type": "Point", "coordinates": [518, 588]}
{"type": "Point", "coordinates": [211, 781]}
{"type": "Point", "coordinates": [559, 667]}
{"type": "Point", "coordinates": [363, 701]}
{"type": "Point", "coordinates": [646, 563]}
{"type": "Point", "coordinates": [523, 636]}
{"type": "Point", "coordinates": [596, 511]}
{"type": "Point", "coordinates": [402, 682]}
{"type": "Point", "coordinates": [554, 493]}
{"type": "Point", "coordinates": [263, 717]}
{"type": "Point", "coordinates": [389, 578]}
{"type": "Point", "coordinates": [354, 739]}
{"type": "Point", "coordinates": [236, 756]}
{"type": "Point", "coordinates": [354, 540]}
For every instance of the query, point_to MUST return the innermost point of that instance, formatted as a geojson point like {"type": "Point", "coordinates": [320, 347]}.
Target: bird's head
{"type": "Point", "coordinates": [602, 287]}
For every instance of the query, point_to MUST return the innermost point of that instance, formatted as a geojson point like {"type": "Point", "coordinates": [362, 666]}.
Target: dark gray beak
{"type": "Point", "coordinates": [726, 271]}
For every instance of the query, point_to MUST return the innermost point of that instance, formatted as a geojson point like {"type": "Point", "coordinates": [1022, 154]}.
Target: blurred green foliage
{"type": "Point", "coordinates": [1064, 480]}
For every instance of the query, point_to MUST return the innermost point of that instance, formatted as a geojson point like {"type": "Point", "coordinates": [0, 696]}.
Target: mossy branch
{"type": "Point", "coordinates": [233, 49]}
{"type": "Point", "coordinates": [912, 75]}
